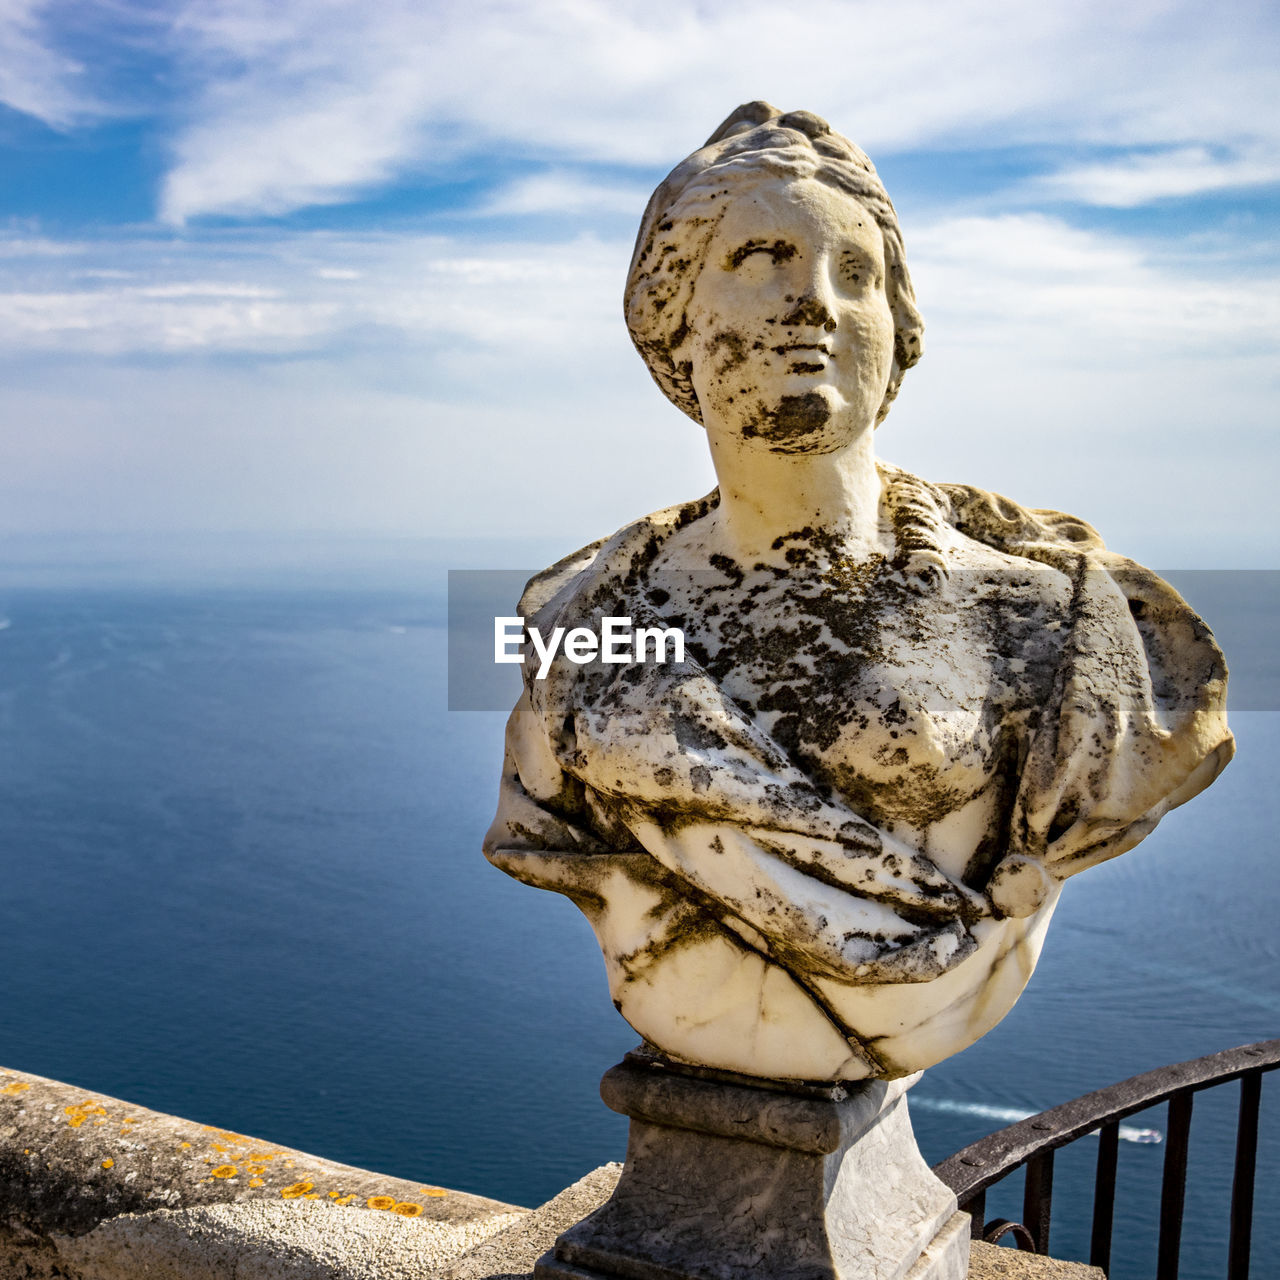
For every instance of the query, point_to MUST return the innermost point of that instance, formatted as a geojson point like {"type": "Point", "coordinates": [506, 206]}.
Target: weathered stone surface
{"type": "Point", "coordinates": [729, 1181]}
{"type": "Point", "coordinates": [828, 843]}
{"type": "Point", "coordinates": [513, 1251]}
{"type": "Point", "coordinates": [991, 1262]}
{"type": "Point", "coordinates": [94, 1187]}
{"type": "Point", "coordinates": [512, 1254]}
{"type": "Point", "coordinates": [266, 1240]}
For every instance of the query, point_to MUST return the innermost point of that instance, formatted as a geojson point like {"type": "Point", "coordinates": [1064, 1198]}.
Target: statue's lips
{"type": "Point", "coordinates": [805, 357]}
{"type": "Point", "coordinates": [820, 347]}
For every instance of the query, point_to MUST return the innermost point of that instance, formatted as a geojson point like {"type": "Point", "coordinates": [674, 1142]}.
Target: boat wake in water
{"type": "Point", "coordinates": [1011, 1115]}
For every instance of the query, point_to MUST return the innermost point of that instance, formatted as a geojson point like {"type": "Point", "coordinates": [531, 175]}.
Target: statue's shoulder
{"type": "Point", "coordinates": [974, 533]}
{"type": "Point", "coordinates": [627, 552]}
{"type": "Point", "coordinates": [547, 583]}
{"type": "Point", "coordinates": [980, 515]}
{"type": "Point", "coordinates": [999, 522]}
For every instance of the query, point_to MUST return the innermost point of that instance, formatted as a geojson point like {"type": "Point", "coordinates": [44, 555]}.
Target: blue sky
{"type": "Point", "coordinates": [353, 267]}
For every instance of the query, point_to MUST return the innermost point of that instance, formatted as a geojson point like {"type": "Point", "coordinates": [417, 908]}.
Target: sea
{"type": "Point", "coordinates": [242, 883]}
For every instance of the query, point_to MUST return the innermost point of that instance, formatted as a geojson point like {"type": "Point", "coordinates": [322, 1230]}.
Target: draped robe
{"type": "Point", "coordinates": [751, 919]}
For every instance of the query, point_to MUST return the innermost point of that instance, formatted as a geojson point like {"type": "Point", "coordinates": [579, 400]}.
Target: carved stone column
{"type": "Point", "coordinates": [730, 1178]}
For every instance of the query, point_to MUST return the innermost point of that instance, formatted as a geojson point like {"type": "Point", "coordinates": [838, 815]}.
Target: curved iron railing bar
{"type": "Point", "coordinates": [998, 1228]}
{"type": "Point", "coordinates": [970, 1171]}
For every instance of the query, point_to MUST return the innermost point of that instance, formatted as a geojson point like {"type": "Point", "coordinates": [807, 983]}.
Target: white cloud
{"type": "Point", "coordinates": [437, 384]}
{"type": "Point", "coordinates": [1087, 298]}
{"type": "Point", "coordinates": [1130, 383]}
{"type": "Point", "coordinates": [1018, 279]}
{"type": "Point", "coordinates": [558, 192]}
{"type": "Point", "coordinates": [37, 246]}
{"type": "Point", "coordinates": [276, 294]}
{"type": "Point", "coordinates": [305, 104]}
{"type": "Point", "coordinates": [34, 77]}
{"type": "Point", "coordinates": [285, 106]}
{"type": "Point", "coordinates": [1140, 179]}
{"type": "Point", "coordinates": [166, 320]}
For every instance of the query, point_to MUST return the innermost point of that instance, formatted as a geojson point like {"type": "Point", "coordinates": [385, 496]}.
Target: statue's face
{"type": "Point", "coordinates": [791, 331]}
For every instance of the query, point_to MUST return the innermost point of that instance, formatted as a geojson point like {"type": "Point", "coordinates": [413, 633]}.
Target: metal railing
{"type": "Point", "coordinates": [1032, 1142]}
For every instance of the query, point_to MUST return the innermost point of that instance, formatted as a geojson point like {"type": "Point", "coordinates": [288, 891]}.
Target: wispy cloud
{"type": "Point", "coordinates": [433, 383]}
{"type": "Point", "coordinates": [1059, 294]}
{"type": "Point", "coordinates": [1141, 179]}
{"type": "Point", "coordinates": [273, 107]}
{"type": "Point", "coordinates": [271, 294]}
{"type": "Point", "coordinates": [19, 246]}
{"type": "Point", "coordinates": [558, 192]}
{"type": "Point", "coordinates": [309, 104]}
{"type": "Point", "coordinates": [1070, 295]}
{"type": "Point", "coordinates": [34, 77]}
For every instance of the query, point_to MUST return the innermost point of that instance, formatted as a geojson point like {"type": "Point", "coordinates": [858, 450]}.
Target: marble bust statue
{"type": "Point", "coordinates": [828, 843]}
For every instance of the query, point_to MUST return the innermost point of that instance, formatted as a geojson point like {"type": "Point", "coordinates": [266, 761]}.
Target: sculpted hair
{"type": "Point", "coordinates": [684, 212]}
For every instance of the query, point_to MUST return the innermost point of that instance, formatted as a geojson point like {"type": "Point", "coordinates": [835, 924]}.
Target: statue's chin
{"type": "Point", "coordinates": [813, 421]}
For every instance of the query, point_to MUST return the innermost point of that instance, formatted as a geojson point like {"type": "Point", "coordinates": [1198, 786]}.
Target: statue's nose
{"type": "Point", "coordinates": [811, 308]}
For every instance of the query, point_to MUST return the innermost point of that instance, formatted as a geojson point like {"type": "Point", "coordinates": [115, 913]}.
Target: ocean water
{"type": "Point", "coordinates": [242, 883]}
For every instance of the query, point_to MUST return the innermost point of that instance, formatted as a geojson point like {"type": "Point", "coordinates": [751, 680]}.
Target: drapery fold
{"type": "Point", "coordinates": [605, 758]}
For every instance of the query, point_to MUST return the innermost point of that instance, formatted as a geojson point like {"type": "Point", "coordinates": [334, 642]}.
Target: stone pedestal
{"type": "Point", "coordinates": [729, 1178]}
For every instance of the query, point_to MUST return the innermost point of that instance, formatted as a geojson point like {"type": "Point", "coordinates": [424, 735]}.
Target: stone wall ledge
{"type": "Point", "coordinates": [94, 1188]}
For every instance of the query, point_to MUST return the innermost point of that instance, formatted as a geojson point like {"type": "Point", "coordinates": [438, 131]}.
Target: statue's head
{"type": "Point", "coordinates": [780, 162]}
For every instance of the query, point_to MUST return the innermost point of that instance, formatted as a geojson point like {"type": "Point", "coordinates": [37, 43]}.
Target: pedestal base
{"type": "Point", "coordinates": [736, 1180]}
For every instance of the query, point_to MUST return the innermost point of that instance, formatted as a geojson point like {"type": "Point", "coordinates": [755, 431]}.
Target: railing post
{"type": "Point", "coordinates": [1174, 1185]}
{"type": "Point", "coordinates": [1104, 1195]}
{"type": "Point", "coordinates": [976, 1208]}
{"type": "Point", "coordinates": [1037, 1198]}
{"type": "Point", "coordinates": [1242, 1183]}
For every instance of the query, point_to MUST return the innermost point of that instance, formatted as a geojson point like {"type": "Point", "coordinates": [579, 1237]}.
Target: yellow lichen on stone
{"type": "Point", "coordinates": [433, 1191]}
{"type": "Point", "coordinates": [381, 1202]}
{"type": "Point", "coordinates": [225, 1171]}
{"type": "Point", "coordinates": [256, 1182]}
{"type": "Point", "coordinates": [79, 1113]}
{"type": "Point", "coordinates": [407, 1209]}
{"type": "Point", "coordinates": [344, 1199]}
{"type": "Point", "coordinates": [16, 1087]}
{"type": "Point", "coordinates": [184, 1145]}
{"type": "Point", "coordinates": [296, 1191]}
{"type": "Point", "coordinates": [108, 1163]}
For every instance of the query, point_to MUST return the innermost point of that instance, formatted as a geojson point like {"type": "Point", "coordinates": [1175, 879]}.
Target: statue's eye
{"type": "Point", "coordinates": [775, 251]}
{"type": "Point", "coordinates": [857, 270]}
